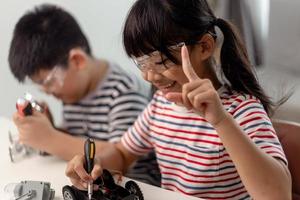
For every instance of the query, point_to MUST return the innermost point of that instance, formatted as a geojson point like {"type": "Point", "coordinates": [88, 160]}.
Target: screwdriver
{"type": "Point", "coordinates": [89, 153]}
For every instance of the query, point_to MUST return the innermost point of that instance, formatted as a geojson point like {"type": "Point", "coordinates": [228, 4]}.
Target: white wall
{"type": "Point", "coordinates": [101, 21]}
{"type": "Point", "coordinates": [281, 74]}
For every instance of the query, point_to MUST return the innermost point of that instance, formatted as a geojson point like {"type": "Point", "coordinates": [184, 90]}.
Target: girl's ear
{"type": "Point", "coordinates": [207, 46]}
{"type": "Point", "coordinates": [77, 58]}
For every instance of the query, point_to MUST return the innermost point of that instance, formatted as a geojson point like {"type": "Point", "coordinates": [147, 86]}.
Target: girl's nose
{"type": "Point", "coordinates": [152, 76]}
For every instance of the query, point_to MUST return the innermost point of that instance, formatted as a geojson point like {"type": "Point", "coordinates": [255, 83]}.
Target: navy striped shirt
{"type": "Point", "coordinates": [109, 111]}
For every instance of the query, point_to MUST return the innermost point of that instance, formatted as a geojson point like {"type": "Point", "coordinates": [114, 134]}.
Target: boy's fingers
{"type": "Point", "coordinates": [36, 113]}
{"type": "Point", "coordinates": [15, 117]}
{"type": "Point", "coordinates": [19, 119]}
{"type": "Point", "coordinates": [187, 66]}
{"type": "Point", "coordinates": [43, 104]}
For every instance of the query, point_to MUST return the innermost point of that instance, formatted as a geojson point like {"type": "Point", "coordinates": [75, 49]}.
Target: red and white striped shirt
{"type": "Point", "coordinates": [190, 154]}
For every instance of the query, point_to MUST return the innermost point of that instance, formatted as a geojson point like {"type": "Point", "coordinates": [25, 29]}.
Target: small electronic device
{"type": "Point", "coordinates": [26, 104]}
{"type": "Point", "coordinates": [30, 190]}
{"type": "Point", "coordinates": [108, 190]}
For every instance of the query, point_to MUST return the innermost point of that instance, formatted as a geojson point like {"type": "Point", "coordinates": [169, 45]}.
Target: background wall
{"type": "Point", "coordinates": [101, 21]}
{"type": "Point", "coordinates": [251, 18]}
{"type": "Point", "coordinates": [281, 75]}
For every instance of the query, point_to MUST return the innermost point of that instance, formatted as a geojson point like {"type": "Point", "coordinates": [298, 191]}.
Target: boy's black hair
{"type": "Point", "coordinates": [42, 38]}
{"type": "Point", "coordinates": [156, 24]}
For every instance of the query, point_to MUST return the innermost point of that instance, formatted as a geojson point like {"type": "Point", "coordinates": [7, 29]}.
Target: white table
{"type": "Point", "coordinates": [52, 169]}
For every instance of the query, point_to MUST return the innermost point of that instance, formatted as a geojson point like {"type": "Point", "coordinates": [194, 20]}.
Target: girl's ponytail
{"type": "Point", "coordinates": [236, 65]}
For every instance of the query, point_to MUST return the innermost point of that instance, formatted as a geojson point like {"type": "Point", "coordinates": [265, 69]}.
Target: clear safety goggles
{"type": "Point", "coordinates": [155, 62]}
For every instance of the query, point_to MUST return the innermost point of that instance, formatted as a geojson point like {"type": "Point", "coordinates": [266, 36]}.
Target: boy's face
{"type": "Point", "coordinates": [50, 80]}
{"type": "Point", "coordinates": [64, 83]}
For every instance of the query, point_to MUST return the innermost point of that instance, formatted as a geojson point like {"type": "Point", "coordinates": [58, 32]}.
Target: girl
{"type": "Point", "coordinates": [208, 124]}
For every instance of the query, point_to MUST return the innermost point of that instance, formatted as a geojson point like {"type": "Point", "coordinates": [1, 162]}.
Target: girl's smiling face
{"type": "Point", "coordinates": [167, 76]}
{"type": "Point", "coordinates": [161, 72]}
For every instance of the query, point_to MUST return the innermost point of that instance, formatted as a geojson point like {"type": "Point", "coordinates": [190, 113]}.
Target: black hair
{"type": "Point", "coordinates": [156, 24]}
{"type": "Point", "coordinates": [42, 38]}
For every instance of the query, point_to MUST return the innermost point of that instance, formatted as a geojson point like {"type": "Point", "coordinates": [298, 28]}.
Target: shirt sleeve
{"type": "Point", "coordinates": [124, 111]}
{"type": "Point", "coordinates": [137, 139]}
{"type": "Point", "coordinates": [255, 122]}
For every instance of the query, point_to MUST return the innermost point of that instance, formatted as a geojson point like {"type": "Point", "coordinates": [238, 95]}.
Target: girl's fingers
{"type": "Point", "coordinates": [201, 100]}
{"type": "Point", "coordinates": [189, 88]}
{"type": "Point", "coordinates": [70, 172]}
{"type": "Point", "coordinates": [97, 171]}
{"type": "Point", "coordinates": [186, 101]}
{"type": "Point", "coordinates": [179, 99]}
{"type": "Point", "coordinates": [81, 172]}
{"type": "Point", "coordinates": [79, 184]}
{"type": "Point", "coordinates": [193, 85]}
{"type": "Point", "coordinates": [175, 97]}
{"type": "Point", "coordinates": [191, 95]}
{"type": "Point", "coordinates": [75, 169]}
{"type": "Point", "coordinates": [182, 98]}
{"type": "Point", "coordinates": [187, 66]}
{"type": "Point", "coordinates": [78, 176]}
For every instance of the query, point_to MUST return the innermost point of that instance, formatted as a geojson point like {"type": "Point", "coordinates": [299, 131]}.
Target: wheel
{"type": "Point", "coordinates": [108, 180]}
{"type": "Point", "coordinates": [68, 193]}
{"type": "Point", "coordinates": [133, 188]}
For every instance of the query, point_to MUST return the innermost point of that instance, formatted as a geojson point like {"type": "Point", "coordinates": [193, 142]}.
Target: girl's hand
{"type": "Point", "coordinates": [198, 94]}
{"type": "Point", "coordinates": [78, 175]}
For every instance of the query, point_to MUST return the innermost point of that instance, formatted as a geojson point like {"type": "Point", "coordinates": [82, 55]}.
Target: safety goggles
{"type": "Point", "coordinates": [54, 80]}
{"type": "Point", "coordinates": [154, 62]}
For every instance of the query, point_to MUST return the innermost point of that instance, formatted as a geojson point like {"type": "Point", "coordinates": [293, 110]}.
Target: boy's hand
{"type": "Point", "coordinates": [47, 111]}
{"type": "Point", "coordinates": [34, 130]}
{"type": "Point", "coordinates": [78, 175]}
{"type": "Point", "coordinates": [198, 94]}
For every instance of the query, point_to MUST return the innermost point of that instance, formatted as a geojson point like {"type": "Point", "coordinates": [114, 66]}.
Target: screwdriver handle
{"type": "Point", "coordinates": [89, 153]}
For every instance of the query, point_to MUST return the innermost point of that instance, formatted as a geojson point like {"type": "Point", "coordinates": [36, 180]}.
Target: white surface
{"type": "Point", "coordinates": [101, 21]}
{"type": "Point", "coordinates": [51, 169]}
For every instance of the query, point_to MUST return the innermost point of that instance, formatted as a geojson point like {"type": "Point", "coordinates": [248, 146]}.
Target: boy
{"type": "Point", "coordinates": [99, 99]}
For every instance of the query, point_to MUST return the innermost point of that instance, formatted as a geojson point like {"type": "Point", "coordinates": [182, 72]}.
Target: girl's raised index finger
{"type": "Point", "coordinates": [187, 66]}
